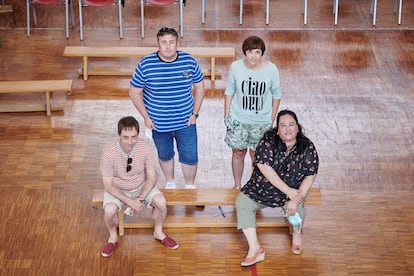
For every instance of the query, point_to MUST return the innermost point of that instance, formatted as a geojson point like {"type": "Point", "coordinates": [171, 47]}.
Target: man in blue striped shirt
{"type": "Point", "coordinates": [161, 90]}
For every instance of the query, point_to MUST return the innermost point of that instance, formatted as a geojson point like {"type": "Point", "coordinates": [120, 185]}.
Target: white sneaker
{"type": "Point", "coordinates": [190, 186]}
{"type": "Point", "coordinates": [170, 185]}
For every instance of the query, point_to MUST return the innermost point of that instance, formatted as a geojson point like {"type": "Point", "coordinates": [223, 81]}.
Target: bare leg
{"type": "Point", "coordinates": [252, 153]}
{"type": "Point", "coordinates": [111, 221]}
{"type": "Point", "coordinates": [237, 165]}
{"type": "Point", "coordinates": [297, 243]}
{"type": "Point", "coordinates": [254, 245]}
{"type": "Point", "coordinates": [159, 214]}
{"type": "Point", "coordinates": [168, 169]}
{"type": "Point", "coordinates": [189, 172]}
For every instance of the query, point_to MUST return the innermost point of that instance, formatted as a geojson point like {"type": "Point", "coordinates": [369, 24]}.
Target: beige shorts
{"type": "Point", "coordinates": [109, 198]}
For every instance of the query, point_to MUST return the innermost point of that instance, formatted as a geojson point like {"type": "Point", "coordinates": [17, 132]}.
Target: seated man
{"type": "Point", "coordinates": [129, 177]}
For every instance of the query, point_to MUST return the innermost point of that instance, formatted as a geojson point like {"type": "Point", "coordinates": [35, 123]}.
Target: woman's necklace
{"type": "Point", "coordinates": [289, 149]}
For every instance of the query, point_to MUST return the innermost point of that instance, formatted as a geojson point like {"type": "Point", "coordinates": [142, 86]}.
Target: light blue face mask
{"type": "Point", "coordinates": [296, 222]}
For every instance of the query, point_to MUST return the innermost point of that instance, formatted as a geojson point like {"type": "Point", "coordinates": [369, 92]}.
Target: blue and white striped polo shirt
{"type": "Point", "coordinates": [167, 88]}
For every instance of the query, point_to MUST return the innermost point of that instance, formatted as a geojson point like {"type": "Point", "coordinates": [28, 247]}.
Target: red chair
{"type": "Point", "coordinates": [49, 2]}
{"type": "Point", "coordinates": [163, 3]}
{"type": "Point", "coordinates": [99, 4]}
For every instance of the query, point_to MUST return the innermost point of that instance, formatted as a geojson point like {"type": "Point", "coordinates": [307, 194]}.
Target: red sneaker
{"type": "Point", "coordinates": [169, 243]}
{"type": "Point", "coordinates": [108, 249]}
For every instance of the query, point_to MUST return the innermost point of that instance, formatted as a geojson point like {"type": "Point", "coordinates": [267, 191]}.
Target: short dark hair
{"type": "Point", "coordinates": [167, 30]}
{"type": "Point", "coordinates": [252, 43]}
{"type": "Point", "coordinates": [128, 122]}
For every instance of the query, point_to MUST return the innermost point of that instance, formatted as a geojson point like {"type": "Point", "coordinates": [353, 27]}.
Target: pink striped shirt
{"type": "Point", "coordinates": [114, 163]}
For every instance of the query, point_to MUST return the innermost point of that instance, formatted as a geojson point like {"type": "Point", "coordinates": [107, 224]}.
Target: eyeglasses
{"type": "Point", "coordinates": [129, 161]}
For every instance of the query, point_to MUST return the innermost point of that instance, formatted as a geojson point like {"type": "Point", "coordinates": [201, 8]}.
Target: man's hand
{"type": "Point", "coordinates": [137, 204]}
{"type": "Point", "coordinates": [149, 124]}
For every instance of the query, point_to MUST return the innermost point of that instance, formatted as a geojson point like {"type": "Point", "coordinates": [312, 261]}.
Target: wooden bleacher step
{"type": "Point", "coordinates": [86, 52]}
{"type": "Point", "coordinates": [34, 86]}
{"type": "Point", "coordinates": [203, 197]}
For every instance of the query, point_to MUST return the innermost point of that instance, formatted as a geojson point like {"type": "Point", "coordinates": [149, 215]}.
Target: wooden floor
{"type": "Point", "coordinates": [351, 85]}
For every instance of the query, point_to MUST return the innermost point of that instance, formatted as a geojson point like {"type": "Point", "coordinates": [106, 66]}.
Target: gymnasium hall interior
{"type": "Point", "coordinates": [347, 73]}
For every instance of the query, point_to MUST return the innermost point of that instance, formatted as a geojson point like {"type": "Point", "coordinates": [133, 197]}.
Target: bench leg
{"type": "Point", "coordinates": [85, 67]}
{"type": "Point", "coordinates": [48, 110]}
{"type": "Point", "coordinates": [213, 69]}
{"type": "Point", "coordinates": [121, 218]}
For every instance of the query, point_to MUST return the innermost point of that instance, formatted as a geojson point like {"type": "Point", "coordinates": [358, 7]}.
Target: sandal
{"type": "Point", "coordinates": [258, 257]}
{"type": "Point", "coordinates": [297, 246]}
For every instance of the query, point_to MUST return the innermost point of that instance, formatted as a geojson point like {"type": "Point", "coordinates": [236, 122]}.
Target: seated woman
{"type": "Point", "coordinates": [286, 164]}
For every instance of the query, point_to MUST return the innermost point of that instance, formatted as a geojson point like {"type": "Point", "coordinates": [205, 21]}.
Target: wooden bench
{"type": "Point", "coordinates": [34, 86]}
{"type": "Point", "coordinates": [8, 9]}
{"type": "Point", "coordinates": [138, 52]}
{"type": "Point", "coordinates": [223, 199]}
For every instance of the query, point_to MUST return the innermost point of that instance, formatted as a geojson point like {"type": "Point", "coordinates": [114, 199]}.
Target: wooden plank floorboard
{"type": "Point", "coordinates": [351, 86]}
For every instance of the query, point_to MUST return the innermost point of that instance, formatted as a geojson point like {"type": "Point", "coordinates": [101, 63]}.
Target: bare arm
{"type": "Point", "coordinates": [115, 191]}
{"type": "Point", "coordinates": [137, 97]}
{"type": "Point", "coordinates": [136, 204]}
{"type": "Point", "coordinates": [303, 190]}
{"type": "Point", "coordinates": [227, 103]}
{"type": "Point", "coordinates": [199, 91]}
{"type": "Point", "coordinates": [307, 184]}
{"type": "Point", "coordinates": [275, 108]}
{"type": "Point", "coordinates": [296, 195]}
{"type": "Point", "coordinates": [274, 178]}
{"type": "Point", "coordinates": [151, 180]}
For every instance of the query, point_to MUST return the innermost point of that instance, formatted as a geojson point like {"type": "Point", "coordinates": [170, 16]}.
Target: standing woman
{"type": "Point", "coordinates": [251, 101]}
{"type": "Point", "coordinates": [286, 164]}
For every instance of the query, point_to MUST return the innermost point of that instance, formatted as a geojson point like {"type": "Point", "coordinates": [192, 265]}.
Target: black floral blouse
{"type": "Point", "coordinates": [292, 169]}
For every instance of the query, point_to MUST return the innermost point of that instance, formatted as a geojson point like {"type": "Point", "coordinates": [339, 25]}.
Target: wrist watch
{"type": "Point", "coordinates": [195, 114]}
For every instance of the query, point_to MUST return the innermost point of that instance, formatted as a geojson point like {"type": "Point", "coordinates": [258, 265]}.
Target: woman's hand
{"type": "Point", "coordinates": [290, 208]}
{"type": "Point", "coordinates": [226, 121]}
{"type": "Point", "coordinates": [295, 195]}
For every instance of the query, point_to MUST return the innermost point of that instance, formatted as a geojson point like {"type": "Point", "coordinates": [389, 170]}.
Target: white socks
{"type": "Point", "coordinates": [170, 185]}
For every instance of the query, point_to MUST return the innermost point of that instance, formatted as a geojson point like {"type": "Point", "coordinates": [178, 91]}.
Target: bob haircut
{"type": "Point", "coordinates": [252, 43]}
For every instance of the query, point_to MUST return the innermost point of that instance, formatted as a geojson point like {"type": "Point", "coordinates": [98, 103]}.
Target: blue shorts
{"type": "Point", "coordinates": [186, 140]}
